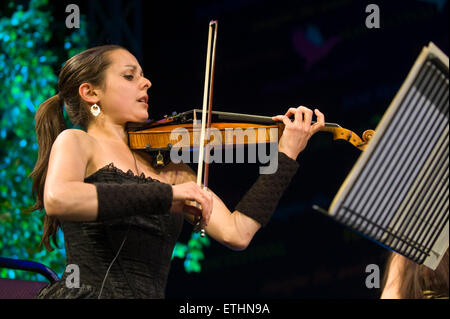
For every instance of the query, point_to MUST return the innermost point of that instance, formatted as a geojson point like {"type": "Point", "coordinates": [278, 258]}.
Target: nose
{"type": "Point", "coordinates": [146, 83]}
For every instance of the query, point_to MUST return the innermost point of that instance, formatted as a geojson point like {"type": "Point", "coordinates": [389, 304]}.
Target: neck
{"type": "Point", "coordinates": [108, 131]}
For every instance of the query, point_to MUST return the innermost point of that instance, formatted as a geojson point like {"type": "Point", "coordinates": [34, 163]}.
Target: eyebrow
{"type": "Point", "coordinates": [134, 67]}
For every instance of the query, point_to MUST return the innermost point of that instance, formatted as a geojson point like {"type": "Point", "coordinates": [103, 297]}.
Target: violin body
{"type": "Point", "coordinates": [233, 130]}
{"type": "Point", "coordinates": [183, 131]}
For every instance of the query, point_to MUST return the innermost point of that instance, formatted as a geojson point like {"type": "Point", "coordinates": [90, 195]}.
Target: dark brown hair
{"type": "Point", "coordinates": [87, 66]}
{"type": "Point", "coordinates": [416, 279]}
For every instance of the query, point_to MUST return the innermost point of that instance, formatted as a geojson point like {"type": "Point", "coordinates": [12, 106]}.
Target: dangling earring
{"type": "Point", "coordinates": [95, 110]}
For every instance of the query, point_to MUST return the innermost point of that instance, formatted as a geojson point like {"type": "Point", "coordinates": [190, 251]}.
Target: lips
{"type": "Point", "coordinates": [143, 99]}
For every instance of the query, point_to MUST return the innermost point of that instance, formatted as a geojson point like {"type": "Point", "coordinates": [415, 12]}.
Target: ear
{"type": "Point", "coordinates": [88, 93]}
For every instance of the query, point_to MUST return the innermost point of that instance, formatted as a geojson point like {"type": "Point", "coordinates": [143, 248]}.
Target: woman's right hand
{"type": "Point", "coordinates": [192, 192]}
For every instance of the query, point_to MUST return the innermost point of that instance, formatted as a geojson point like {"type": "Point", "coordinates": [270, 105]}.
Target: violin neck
{"type": "Point", "coordinates": [239, 117]}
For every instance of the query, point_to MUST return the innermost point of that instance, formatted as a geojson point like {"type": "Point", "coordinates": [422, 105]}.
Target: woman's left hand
{"type": "Point", "coordinates": [297, 133]}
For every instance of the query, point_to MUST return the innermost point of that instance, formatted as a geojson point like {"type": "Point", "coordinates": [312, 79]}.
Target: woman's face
{"type": "Point", "coordinates": [125, 96]}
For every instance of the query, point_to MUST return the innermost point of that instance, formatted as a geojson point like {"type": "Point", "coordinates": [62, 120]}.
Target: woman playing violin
{"type": "Point", "coordinates": [120, 216]}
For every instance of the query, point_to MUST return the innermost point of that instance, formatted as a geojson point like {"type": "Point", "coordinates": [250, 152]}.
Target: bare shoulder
{"type": "Point", "coordinates": [75, 141]}
{"type": "Point", "coordinates": [69, 157]}
{"type": "Point", "coordinates": [75, 136]}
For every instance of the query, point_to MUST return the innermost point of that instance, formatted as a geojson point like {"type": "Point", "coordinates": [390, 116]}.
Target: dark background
{"type": "Point", "coordinates": [272, 55]}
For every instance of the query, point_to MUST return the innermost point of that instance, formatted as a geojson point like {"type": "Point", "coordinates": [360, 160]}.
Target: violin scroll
{"type": "Point", "coordinates": [340, 133]}
{"type": "Point", "coordinates": [367, 135]}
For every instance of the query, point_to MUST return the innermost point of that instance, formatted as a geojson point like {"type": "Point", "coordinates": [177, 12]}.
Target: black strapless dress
{"type": "Point", "coordinates": [142, 266]}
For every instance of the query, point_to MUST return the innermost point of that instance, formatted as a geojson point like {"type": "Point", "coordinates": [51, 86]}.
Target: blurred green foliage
{"type": "Point", "coordinates": [192, 252]}
{"type": "Point", "coordinates": [28, 66]}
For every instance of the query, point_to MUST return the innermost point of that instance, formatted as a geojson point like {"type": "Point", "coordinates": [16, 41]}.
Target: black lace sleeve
{"type": "Point", "coordinates": [262, 198]}
{"type": "Point", "coordinates": [119, 200]}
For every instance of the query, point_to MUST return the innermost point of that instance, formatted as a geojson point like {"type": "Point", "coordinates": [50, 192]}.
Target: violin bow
{"type": "Point", "coordinates": [203, 164]}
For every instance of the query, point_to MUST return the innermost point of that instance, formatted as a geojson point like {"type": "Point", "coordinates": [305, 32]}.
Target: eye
{"type": "Point", "coordinates": [128, 77]}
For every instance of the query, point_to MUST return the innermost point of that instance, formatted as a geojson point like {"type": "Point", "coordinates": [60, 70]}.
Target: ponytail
{"type": "Point", "coordinates": [49, 124]}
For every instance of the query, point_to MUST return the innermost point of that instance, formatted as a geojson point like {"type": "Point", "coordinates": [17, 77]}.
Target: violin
{"type": "Point", "coordinates": [227, 129]}
{"type": "Point", "coordinates": [159, 137]}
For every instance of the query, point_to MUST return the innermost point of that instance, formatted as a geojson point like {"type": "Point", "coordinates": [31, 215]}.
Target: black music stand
{"type": "Point", "coordinates": [397, 193]}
